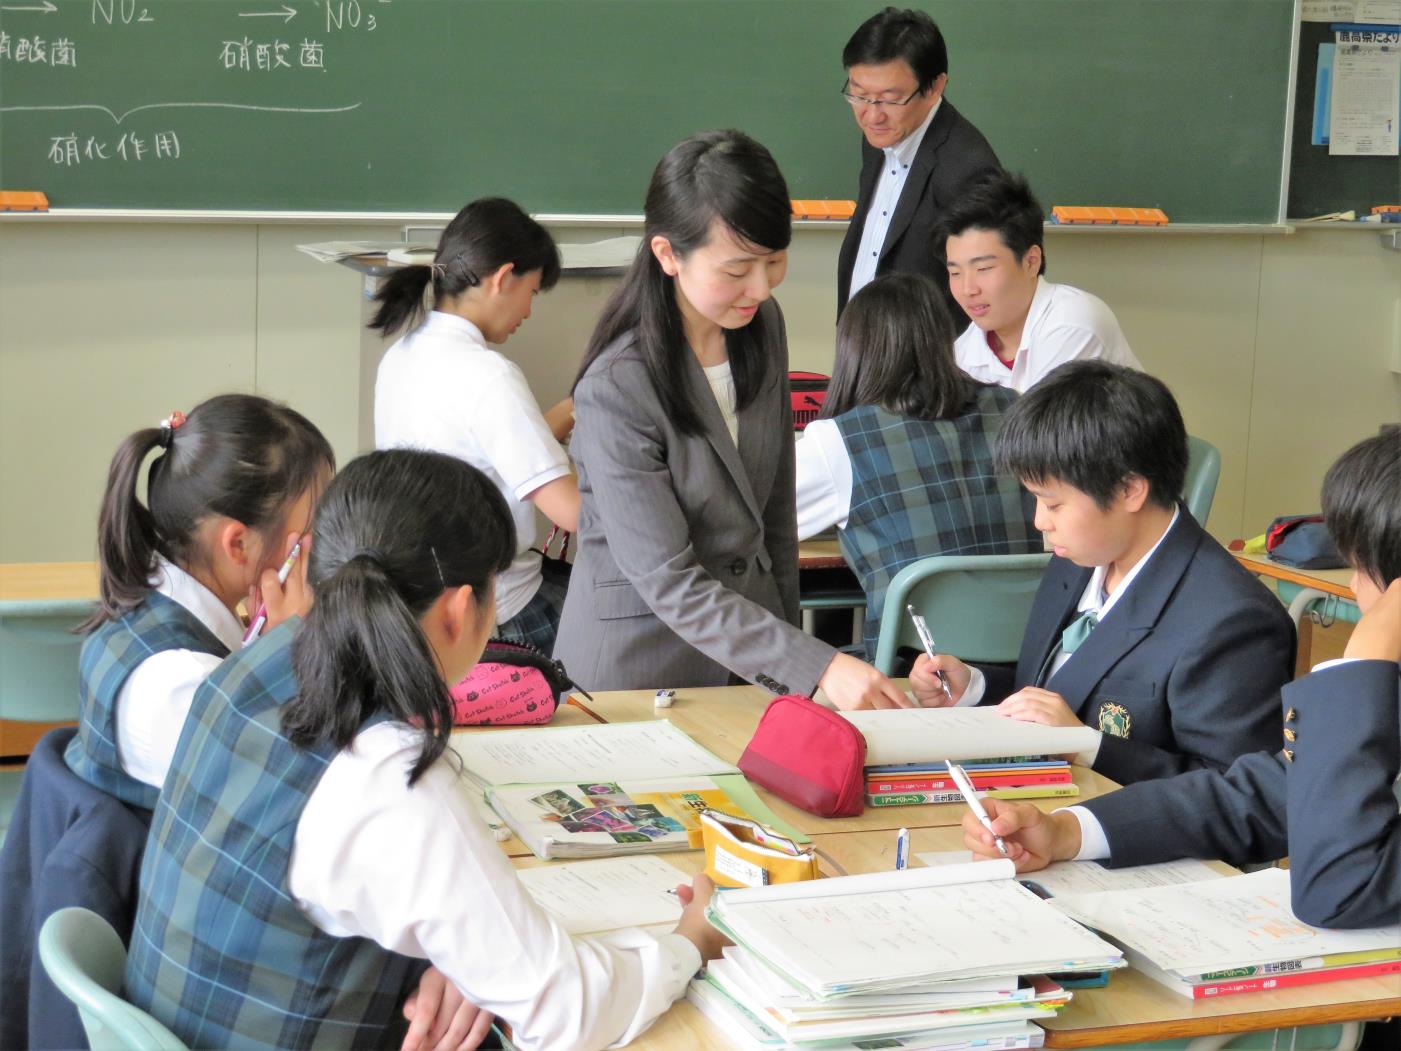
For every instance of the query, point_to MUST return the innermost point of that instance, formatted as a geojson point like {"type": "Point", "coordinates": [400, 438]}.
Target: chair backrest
{"type": "Point", "coordinates": [1203, 472]}
{"type": "Point", "coordinates": [39, 659]}
{"type": "Point", "coordinates": [85, 958]}
{"type": "Point", "coordinates": [977, 606]}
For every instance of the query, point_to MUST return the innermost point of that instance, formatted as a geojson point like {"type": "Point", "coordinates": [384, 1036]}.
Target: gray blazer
{"type": "Point", "coordinates": [687, 567]}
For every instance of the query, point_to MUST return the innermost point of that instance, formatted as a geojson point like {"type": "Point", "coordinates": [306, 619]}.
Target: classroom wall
{"type": "Point", "coordinates": [1282, 349]}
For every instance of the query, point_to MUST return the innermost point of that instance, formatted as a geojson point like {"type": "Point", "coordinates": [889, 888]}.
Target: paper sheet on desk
{"type": "Point", "coordinates": [923, 735]}
{"type": "Point", "coordinates": [588, 897]}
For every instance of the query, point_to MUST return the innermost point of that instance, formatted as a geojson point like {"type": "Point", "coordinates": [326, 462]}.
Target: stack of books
{"type": "Point", "coordinates": [1016, 777]}
{"type": "Point", "coordinates": [934, 958]}
{"type": "Point", "coordinates": [906, 750]}
{"type": "Point", "coordinates": [1231, 935]}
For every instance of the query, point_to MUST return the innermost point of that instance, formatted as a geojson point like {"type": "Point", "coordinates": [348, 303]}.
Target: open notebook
{"type": "Point", "coordinates": [606, 790]}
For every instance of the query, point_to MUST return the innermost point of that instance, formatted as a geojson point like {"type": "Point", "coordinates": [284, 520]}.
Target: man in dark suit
{"type": "Point", "coordinates": [1327, 797]}
{"type": "Point", "coordinates": [917, 149]}
{"type": "Point", "coordinates": [1144, 628]}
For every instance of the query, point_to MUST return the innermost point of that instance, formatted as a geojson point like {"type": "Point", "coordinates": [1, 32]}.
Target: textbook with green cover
{"type": "Point", "coordinates": [606, 790]}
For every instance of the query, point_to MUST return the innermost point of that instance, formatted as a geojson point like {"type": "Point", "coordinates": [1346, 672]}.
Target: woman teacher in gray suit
{"type": "Point", "coordinates": [687, 568]}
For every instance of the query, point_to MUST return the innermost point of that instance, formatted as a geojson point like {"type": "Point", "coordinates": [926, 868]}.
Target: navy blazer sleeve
{"type": "Point", "coordinates": [1344, 828]}
{"type": "Point", "coordinates": [1235, 816]}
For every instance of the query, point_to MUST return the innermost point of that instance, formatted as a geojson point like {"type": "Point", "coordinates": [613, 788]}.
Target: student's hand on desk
{"type": "Point", "coordinates": [1033, 838]}
{"type": "Point", "coordinates": [693, 925]}
{"type": "Point", "coordinates": [851, 684]}
{"type": "Point", "coordinates": [441, 1018]}
{"type": "Point", "coordinates": [292, 599]}
{"type": "Point", "coordinates": [1377, 635]}
{"type": "Point", "coordinates": [925, 684]}
{"type": "Point", "coordinates": [1035, 705]}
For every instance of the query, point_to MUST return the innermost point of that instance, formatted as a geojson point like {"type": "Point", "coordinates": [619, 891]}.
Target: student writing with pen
{"type": "Point", "coordinates": [1144, 628]}
{"type": "Point", "coordinates": [1325, 795]}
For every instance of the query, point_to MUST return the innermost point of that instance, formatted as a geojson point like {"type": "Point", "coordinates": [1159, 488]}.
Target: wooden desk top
{"type": "Point", "coordinates": [1329, 581]}
{"type": "Point", "coordinates": [723, 719]}
{"type": "Point", "coordinates": [30, 581]}
{"type": "Point", "coordinates": [820, 554]}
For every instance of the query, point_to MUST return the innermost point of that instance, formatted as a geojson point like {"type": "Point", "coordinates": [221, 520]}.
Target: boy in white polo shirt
{"type": "Point", "coordinates": [1023, 326]}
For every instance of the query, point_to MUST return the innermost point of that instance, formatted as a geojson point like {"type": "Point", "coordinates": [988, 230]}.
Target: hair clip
{"type": "Point", "coordinates": [169, 426]}
{"type": "Point", "coordinates": [441, 580]}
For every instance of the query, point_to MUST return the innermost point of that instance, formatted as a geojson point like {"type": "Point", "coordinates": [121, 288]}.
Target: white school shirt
{"type": "Point", "coordinates": [416, 870]}
{"type": "Point", "coordinates": [895, 169]}
{"type": "Point", "coordinates": [1063, 324]}
{"type": "Point", "coordinates": [1094, 844]}
{"type": "Point", "coordinates": [156, 697]}
{"type": "Point", "coordinates": [823, 479]}
{"type": "Point", "coordinates": [442, 388]}
{"type": "Point", "coordinates": [722, 385]}
{"type": "Point", "coordinates": [1093, 599]}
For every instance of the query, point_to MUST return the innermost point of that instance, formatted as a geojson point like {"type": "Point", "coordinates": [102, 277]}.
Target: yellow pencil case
{"type": "Point", "coordinates": [743, 853]}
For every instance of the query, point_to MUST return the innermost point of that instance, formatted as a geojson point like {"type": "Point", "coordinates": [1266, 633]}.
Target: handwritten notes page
{"type": "Point", "coordinates": [1233, 922]}
{"type": "Point", "coordinates": [606, 752]}
{"type": "Point", "coordinates": [1090, 877]}
{"type": "Point", "coordinates": [588, 897]}
{"type": "Point", "coordinates": [865, 933]}
{"type": "Point", "coordinates": [921, 735]}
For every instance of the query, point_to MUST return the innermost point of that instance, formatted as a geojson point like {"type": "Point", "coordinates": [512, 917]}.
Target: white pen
{"type": "Point", "coordinates": [902, 849]}
{"type": "Point", "coordinates": [262, 616]}
{"type": "Point", "coordinates": [970, 796]}
{"type": "Point", "coordinates": [927, 640]}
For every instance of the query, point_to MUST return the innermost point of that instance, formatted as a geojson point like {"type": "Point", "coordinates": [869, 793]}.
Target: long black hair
{"type": "Point", "coordinates": [393, 531]}
{"type": "Point", "coordinates": [1362, 506]}
{"type": "Point", "coordinates": [235, 455]}
{"type": "Point", "coordinates": [483, 237]}
{"type": "Point", "coordinates": [895, 350]}
{"type": "Point", "coordinates": [715, 175]}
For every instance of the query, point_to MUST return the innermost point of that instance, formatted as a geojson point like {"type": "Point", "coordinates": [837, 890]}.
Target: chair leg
{"type": "Point", "coordinates": [808, 621]}
{"type": "Point", "coordinates": [858, 625]}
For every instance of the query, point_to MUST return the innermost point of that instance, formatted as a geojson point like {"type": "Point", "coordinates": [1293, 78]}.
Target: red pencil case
{"type": "Point", "coordinates": [808, 755]}
{"type": "Point", "coordinates": [512, 685]}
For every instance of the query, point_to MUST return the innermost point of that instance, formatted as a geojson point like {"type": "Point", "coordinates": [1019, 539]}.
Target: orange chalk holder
{"type": "Point", "coordinates": [1104, 216]}
{"type": "Point", "coordinates": [23, 201]}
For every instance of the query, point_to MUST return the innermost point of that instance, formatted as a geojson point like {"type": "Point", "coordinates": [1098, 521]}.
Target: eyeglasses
{"type": "Point", "coordinates": [861, 100]}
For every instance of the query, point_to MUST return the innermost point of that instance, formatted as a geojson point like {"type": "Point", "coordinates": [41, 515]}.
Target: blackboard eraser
{"type": "Point", "coordinates": [1107, 216]}
{"type": "Point", "coordinates": [824, 209]}
{"type": "Point", "coordinates": [23, 201]}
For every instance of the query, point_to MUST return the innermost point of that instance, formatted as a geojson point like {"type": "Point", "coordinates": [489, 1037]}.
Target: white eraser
{"type": "Point", "coordinates": [664, 698]}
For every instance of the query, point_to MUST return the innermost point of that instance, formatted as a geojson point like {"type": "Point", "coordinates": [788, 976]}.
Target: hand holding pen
{"type": "Point", "coordinates": [284, 594]}
{"type": "Point", "coordinates": [927, 640]}
{"type": "Point", "coordinates": [970, 796]}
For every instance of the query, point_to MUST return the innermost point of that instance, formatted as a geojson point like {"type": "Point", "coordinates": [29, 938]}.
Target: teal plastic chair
{"type": "Point", "coordinates": [977, 606]}
{"type": "Point", "coordinates": [1203, 472]}
{"type": "Point", "coordinates": [85, 958]}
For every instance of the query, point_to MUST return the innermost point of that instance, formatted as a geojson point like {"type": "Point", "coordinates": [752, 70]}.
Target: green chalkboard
{"type": "Point", "coordinates": [566, 105]}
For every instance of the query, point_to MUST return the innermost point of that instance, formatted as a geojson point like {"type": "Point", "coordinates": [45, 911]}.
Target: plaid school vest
{"type": "Point", "coordinates": [106, 661]}
{"type": "Point", "coordinates": [220, 952]}
{"type": "Point", "coordinates": [927, 487]}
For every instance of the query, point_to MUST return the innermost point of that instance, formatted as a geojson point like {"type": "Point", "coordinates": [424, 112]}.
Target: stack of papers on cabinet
{"type": "Point", "coordinates": [1231, 935]}
{"type": "Point", "coordinates": [931, 955]}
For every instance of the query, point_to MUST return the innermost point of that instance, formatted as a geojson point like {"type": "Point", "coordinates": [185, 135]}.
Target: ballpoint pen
{"type": "Point", "coordinates": [927, 641]}
{"type": "Point", "coordinates": [902, 849]}
{"type": "Point", "coordinates": [970, 796]}
{"type": "Point", "coordinates": [261, 617]}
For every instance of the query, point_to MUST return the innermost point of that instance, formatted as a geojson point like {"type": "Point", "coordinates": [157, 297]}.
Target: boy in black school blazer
{"type": "Point", "coordinates": [1327, 797]}
{"type": "Point", "coordinates": [1144, 628]}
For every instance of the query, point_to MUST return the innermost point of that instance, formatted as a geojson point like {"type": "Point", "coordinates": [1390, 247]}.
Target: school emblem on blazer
{"type": "Point", "coordinates": [1114, 719]}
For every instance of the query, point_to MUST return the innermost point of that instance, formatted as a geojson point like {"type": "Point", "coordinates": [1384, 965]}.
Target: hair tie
{"type": "Point", "coordinates": [169, 426]}
{"type": "Point", "coordinates": [440, 270]}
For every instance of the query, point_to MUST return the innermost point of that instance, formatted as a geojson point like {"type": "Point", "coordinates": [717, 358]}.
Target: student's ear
{"type": "Point", "coordinates": [1135, 492]}
{"type": "Point", "coordinates": [661, 248]}
{"type": "Point", "coordinates": [496, 281]}
{"type": "Point", "coordinates": [1031, 262]}
{"type": "Point", "coordinates": [459, 613]}
{"type": "Point", "coordinates": [936, 90]}
{"type": "Point", "coordinates": [236, 542]}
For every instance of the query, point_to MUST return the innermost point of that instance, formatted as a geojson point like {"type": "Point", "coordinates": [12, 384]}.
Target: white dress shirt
{"type": "Point", "coordinates": [154, 700]}
{"type": "Point", "coordinates": [416, 870]}
{"type": "Point", "coordinates": [895, 169]}
{"type": "Point", "coordinates": [722, 385]}
{"type": "Point", "coordinates": [1092, 599]}
{"type": "Point", "coordinates": [823, 479]}
{"type": "Point", "coordinates": [442, 388]}
{"type": "Point", "coordinates": [1062, 324]}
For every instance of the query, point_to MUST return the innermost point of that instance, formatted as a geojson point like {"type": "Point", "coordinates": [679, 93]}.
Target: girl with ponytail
{"type": "Point", "coordinates": [441, 387]}
{"type": "Point", "coordinates": [313, 809]}
{"type": "Point", "coordinates": [227, 496]}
